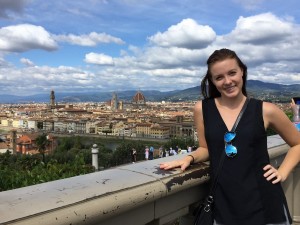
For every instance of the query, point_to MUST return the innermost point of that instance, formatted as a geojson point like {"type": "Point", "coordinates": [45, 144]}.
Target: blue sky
{"type": "Point", "coordinates": [116, 45]}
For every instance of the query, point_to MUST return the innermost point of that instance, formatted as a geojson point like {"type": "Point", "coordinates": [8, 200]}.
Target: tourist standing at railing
{"type": "Point", "coordinates": [173, 152]}
{"type": "Point", "coordinates": [133, 155]}
{"type": "Point", "coordinates": [146, 153]}
{"type": "Point", "coordinates": [151, 153]}
{"type": "Point", "coordinates": [161, 152]}
{"type": "Point", "coordinates": [248, 190]}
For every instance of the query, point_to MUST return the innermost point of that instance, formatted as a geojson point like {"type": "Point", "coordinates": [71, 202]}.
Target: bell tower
{"type": "Point", "coordinates": [52, 99]}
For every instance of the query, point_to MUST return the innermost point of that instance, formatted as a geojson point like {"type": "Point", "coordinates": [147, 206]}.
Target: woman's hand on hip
{"type": "Point", "coordinates": [272, 174]}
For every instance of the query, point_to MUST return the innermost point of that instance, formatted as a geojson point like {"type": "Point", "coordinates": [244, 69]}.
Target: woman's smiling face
{"type": "Point", "coordinates": [227, 76]}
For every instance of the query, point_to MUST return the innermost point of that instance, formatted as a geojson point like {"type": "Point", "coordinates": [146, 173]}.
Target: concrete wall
{"type": "Point", "coordinates": [132, 194]}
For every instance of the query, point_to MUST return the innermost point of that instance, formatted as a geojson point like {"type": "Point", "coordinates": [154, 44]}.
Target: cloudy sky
{"type": "Point", "coordinates": [115, 45]}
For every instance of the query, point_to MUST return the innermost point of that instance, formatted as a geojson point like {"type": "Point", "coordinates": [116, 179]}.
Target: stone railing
{"type": "Point", "coordinates": [132, 194]}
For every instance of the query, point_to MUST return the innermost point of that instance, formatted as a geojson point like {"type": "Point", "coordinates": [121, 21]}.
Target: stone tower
{"type": "Point", "coordinates": [52, 99]}
{"type": "Point", "coordinates": [114, 102]}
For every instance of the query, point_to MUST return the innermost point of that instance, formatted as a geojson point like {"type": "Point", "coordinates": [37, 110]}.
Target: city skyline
{"type": "Point", "coordinates": [131, 45]}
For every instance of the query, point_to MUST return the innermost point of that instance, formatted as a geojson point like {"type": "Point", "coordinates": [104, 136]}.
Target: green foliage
{"type": "Point", "coordinates": [78, 143]}
{"type": "Point", "coordinates": [23, 170]}
{"type": "Point", "coordinates": [289, 115]}
{"type": "Point", "coordinates": [181, 142]}
{"type": "Point", "coordinates": [140, 148]}
{"type": "Point", "coordinates": [72, 157]}
{"type": "Point", "coordinates": [65, 144]}
{"type": "Point", "coordinates": [271, 132]}
{"type": "Point", "coordinates": [122, 154]}
{"type": "Point", "coordinates": [42, 143]}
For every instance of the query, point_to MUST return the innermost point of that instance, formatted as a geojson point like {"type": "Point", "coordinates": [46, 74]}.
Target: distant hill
{"type": "Point", "coordinates": [255, 88]}
{"type": "Point", "coordinates": [272, 92]}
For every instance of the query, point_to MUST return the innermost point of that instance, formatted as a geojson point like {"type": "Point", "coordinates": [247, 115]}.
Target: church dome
{"type": "Point", "coordinates": [139, 97]}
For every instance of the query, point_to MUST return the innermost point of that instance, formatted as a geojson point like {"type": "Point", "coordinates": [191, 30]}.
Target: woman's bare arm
{"type": "Point", "coordinates": [276, 119]}
{"type": "Point", "coordinates": [201, 154]}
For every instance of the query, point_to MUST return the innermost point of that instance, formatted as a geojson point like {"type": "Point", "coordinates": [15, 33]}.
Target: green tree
{"type": "Point", "coordinates": [122, 153]}
{"type": "Point", "coordinates": [23, 170]}
{"type": "Point", "coordinates": [78, 142]}
{"type": "Point", "coordinates": [65, 144]}
{"type": "Point", "coordinates": [42, 142]}
{"type": "Point", "coordinates": [180, 142]}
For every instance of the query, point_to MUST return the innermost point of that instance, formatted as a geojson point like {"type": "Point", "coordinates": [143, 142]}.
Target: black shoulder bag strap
{"type": "Point", "coordinates": [214, 184]}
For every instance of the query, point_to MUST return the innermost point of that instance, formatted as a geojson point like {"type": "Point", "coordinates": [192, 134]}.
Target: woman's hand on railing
{"type": "Point", "coordinates": [182, 163]}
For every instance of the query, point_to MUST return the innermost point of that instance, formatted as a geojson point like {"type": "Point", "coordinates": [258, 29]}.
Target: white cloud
{"type": "Point", "coordinates": [263, 38]}
{"type": "Point", "coordinates": [26, 62]}
{"type": "Point", "coordinates": [262, 29]}
{"type": "Point", "coordinates": [172, 59]}
{"type": "Point", "coordinates": [39, 79]}
{"type": "Point", "coordinates": [278, 72]}
{"type": "Point", "coordinates": [99, 59]}
{"type": "Point", "coordinates": [186, 34]}
{"type": "Point", "coordinates": [172, 67]}
{"type": "Point", "coordinates": [91, 39]}
{"type": "Point", "coordinates": [24, 37]}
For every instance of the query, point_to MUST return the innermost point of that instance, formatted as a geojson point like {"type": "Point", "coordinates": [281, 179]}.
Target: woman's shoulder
{"type": "Point", "coordinates": [204, 101]}
{"type": "Point", "coordinates": [271, 112]}
{"type": "Point", "coordinates": [208, 102]}
{"type": "Point", "coordinates": [269, 107]}
{"type": "Point", "coordinates": [255, 100]}
{"type": "Point", "coordinates": [198, 104]}
{"type": "Point", "coordinates": [198, 108]}
{"type": "Point", "coordinates": [203, 105]}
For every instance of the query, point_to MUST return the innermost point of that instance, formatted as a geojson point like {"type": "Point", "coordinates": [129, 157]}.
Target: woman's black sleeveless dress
{"type": "Point", "coordinates": [243, 196]}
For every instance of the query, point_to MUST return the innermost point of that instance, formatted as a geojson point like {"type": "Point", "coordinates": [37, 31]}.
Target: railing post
{"type": "Point", "coordinates": [95, 152]}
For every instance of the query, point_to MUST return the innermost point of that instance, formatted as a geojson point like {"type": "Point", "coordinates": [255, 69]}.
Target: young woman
{"type": "Point", "coordinates": [248, 190]}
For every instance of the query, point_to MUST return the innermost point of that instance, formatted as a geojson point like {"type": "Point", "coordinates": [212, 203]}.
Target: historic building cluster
{"type": "Point", "coordinates": [135, 119]}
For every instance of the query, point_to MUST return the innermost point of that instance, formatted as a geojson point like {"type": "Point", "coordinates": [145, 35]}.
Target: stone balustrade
{"type": "Point", "coordinates": [132, 194]}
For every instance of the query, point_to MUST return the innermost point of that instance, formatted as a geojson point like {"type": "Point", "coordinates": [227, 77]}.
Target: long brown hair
{"type": "Point", "coordinates": [208, 89]}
